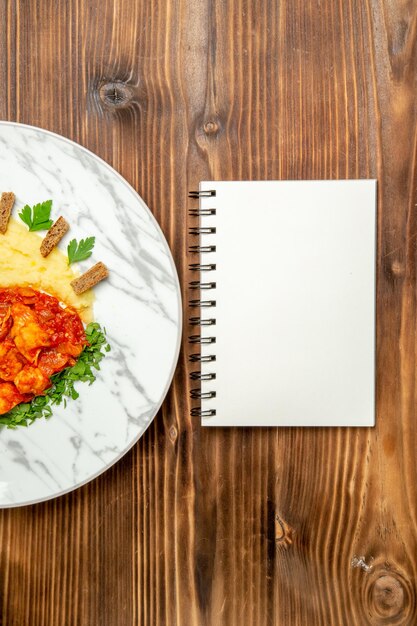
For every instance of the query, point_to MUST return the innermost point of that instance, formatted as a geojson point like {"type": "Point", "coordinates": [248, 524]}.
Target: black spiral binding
{"type": "Point", "coordinates": [202, 248]}
{"type": "Point", "coordinates": [197, 321]}
{"type": "Point", "coordinates": [202, 194]}
{"type": "Point", "coordinates": [198, 212]}
{"type": "Point", "coordinates": [198, 394]}
{"type": "Point", "coordinates": [200, 376]}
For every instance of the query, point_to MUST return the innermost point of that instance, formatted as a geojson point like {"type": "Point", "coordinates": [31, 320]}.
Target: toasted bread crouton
{"type": "Point", "coordinates": [54, 236]}
{"type": "Point", "coordinates": [6, 205]}
{"type": "Point", "coordinates": [90, 278]}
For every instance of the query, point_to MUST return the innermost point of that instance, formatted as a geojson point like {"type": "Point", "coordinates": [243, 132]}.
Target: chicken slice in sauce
{"type": "Point", "coordinates": [31, 380]}
{"type": "Point", "coordinates": [11, 361]}
{"type": "Point", "coordinates": [9, 397]}
{"type": "Point", "coordinates": [51, 362]}
{"type": "Point", "coordinates": [27, 333]}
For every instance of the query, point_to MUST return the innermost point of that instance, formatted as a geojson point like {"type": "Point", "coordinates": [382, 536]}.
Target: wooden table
{"type": "Point", "coordinates": [234, 527]}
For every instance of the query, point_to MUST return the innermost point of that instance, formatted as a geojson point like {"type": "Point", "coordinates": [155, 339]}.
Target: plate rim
{"type": "Point", "coordinates": [179, 325]}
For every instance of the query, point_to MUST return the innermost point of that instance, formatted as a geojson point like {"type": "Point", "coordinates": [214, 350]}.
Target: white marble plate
{"type": "Point", "coordinates": [139, 305]}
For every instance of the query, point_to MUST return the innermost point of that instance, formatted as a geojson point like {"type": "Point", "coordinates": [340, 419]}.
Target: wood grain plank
{"type": "Point", "coordinates": [240, 526]}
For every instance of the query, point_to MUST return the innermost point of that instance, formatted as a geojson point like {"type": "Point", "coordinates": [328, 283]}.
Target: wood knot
{"type": "Point", "coordinates": [388, 596]}
{"type": "Point", "coordinates": [116, 95]}
{"type": "Point", "coordinates": [397, 268]}
{"type": "Point", "coordinates": [173, 434]}
{"type": "Point", "coordinates": [211, 127]}
{"type": "Point", "coordinates": [284, 533]}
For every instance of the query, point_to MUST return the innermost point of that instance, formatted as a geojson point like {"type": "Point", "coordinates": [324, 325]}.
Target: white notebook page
{"type": "Point", "coordinates": [295, 303]}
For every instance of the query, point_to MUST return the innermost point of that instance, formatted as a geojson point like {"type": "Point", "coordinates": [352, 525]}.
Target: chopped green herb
{"type": "Point", "coordinates": [63, 383]}
{"type": "Point", "coordinates": [38, 216]}
{"type": "Point", "coordinates": [80, 251]}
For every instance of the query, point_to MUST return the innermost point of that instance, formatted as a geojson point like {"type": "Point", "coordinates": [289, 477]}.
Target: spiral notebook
{"type": "Point", "coordinates": [284, 305]}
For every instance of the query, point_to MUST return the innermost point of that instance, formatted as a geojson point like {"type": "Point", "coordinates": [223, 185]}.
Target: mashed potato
{"type": "Point", "coordinates": [21, 263]}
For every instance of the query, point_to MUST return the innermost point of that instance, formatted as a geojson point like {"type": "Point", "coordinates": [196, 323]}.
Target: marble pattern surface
{"type": "Point", "coordinates": [139, 305]}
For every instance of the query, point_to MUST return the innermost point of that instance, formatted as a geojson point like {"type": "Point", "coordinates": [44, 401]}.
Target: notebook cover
{"type": "Point", "coordinates": [294, 333]}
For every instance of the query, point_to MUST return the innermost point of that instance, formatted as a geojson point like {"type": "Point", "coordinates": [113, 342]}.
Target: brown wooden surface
{"type": "Point", "coordinates": [243, 526]}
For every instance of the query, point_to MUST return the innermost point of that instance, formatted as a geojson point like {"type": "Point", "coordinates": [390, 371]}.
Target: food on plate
{"type": "Point", "coordinates": [38, 338]}
{"type": "Point", "coordinates": [6, 205]}
{"type": "Point", "coordinates": [90, 278]}
{"type": "Point", "coordinates": [80, 251]}
{"type": "Point", "coordinates": [54, 236]}
{"type": "Point", "coordinates": [22, 264]}
{"type": "Point", "coordinates": [44, 347]}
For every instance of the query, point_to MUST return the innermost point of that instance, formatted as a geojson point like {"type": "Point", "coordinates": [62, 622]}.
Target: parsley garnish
{"type": "Point", "coordinates": [63, 383]}
{"type": "Point", "coordinates": [37, 217]}
{"type": "Point", "coordinates": [80, 251]}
